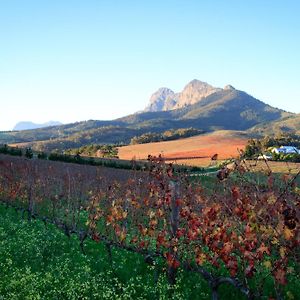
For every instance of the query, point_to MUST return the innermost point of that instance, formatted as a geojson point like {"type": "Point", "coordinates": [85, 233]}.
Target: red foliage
{"type": "Point", "coordinates": [237, 224]}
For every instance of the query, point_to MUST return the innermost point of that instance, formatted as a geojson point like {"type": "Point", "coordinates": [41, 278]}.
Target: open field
{"type": "Point", "coordinates": [275, 166]}
{"type": "Point", "coordinates": [224, 143]}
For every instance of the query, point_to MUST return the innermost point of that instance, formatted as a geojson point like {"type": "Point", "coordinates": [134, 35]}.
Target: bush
{"type": "Point", "coordinates": [28, 153]}
{"type": "Point", "coordinates": [42, 155]}
{"type": "Point", "coordinates": [11, 150]}
{"type": "Point", "coordinates": [168, 135]}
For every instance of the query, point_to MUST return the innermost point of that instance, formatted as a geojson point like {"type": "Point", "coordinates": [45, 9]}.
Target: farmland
{"type": "Point", "coordinates": [225, 143]}
{"type": "Point", "coordinates": [235, 234]}
{"type": "Point", "coordinates": [274, 166]}
{"type": "Point", "coordinates": [41, 262]}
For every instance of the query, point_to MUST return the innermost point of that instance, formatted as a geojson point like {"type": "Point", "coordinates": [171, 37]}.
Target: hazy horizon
{"type": "Point", "coordinates": [71, 60]}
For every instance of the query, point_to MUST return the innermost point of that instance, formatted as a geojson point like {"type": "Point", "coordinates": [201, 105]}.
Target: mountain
{"type": "Point", "coordinates": [226, 108]}
{"type": "Point", "coordinates": [199, 105]}
{"type": "Point", "coordinates": [26, 125]}
{"type": "Point", "coordinates": [165, 99]}
{"type": "Point", "coordinates": [162, 99]}
{"type": "Point", "coordinates": [194, 92]}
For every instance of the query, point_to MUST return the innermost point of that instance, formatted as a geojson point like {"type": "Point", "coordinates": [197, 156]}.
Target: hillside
{"type": "Point", "coordinates": [101, 135]}
{"type": "Point", "coordinates": [53, 132]}
{"type": "Point", "coordinates": [229, 109]}
{"type": "Point", "coordinates": [200, 106]}
{"type": "Point", "coordinates": [289, 125]}
{"type": "Point", "coordinates": [225, 143]}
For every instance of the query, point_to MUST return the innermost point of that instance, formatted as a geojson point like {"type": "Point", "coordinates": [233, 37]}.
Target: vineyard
{"type": "Point", "coordinates": [238, 231]}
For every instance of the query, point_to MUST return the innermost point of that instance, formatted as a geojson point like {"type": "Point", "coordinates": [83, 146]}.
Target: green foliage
{"type": "Point", "coordinates": [40, 262]}
{"type": "Point", "coordinates": [244, 228]}
{"type": "Point", "coordinates": [146, 138]}
{"type": "Point", "coordinates": [28, 153]}
{"type": "Point", "coordinates": [42, 155]}
{"type": "Point", "coordinates": [168, 135]}
{"type": "Point", "coordinates": [10, 150]}
{"type": "Point", "coordinates": [66, 158]}
{"type": "Point", "coordinates": [292, 157]}
{"type": "Point", "coordinates": [281, 140]}
{"type": "Point", "coordinates": [254, 147]}
{"type": "Point", "coordinates": [110, 163]}
{"type": "Point", "coordinates": [105, 151]}
{"type": "Point", "coordinates": [4, 149]}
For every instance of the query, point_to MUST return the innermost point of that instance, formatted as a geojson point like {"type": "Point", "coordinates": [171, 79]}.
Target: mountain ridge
{"type": "Point", "coordinates": [28, 125]}
{"type": "Point", "coordinates": [166, 99]}
{"type": "Point", "coordinates": [209, 110]}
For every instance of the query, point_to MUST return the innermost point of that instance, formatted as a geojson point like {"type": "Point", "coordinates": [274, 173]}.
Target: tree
{"type": "Point", "coordinates": [29, 153]}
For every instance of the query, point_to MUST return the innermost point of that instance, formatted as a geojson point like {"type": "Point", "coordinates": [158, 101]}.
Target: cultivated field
{"type": "Point", "coordinates": [147, 235]}
{"type": "Point", "coordinates": [274, 166]}
{"type": "Point", "coordinates": [224, 143]}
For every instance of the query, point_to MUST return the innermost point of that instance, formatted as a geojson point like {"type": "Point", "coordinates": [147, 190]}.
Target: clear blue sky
{"type": "Point", "coordinates": [71, 60]}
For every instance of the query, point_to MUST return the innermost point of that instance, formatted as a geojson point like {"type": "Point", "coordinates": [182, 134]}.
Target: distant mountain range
{"type": "Point", "coordinates": [199, 105]}
{"type": "Point", "coordinates": [26, 125]}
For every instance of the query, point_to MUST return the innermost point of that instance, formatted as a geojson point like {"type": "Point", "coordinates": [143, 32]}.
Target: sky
{"type": "Point", "coordinates": [68, 60]}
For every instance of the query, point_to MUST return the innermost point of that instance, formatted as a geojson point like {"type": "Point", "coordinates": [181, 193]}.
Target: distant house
{"type": "Point", "coordinates": [265, 157]}
{"type": "Point", "coordinates": [286, 150]}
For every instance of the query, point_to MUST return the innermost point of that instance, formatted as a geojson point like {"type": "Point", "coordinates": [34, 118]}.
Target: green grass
{"type": "Point", "coordinates": [40, 262]}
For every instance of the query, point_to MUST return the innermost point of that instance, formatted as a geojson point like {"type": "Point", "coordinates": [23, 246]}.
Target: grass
{"type": "Point", "coordinates": [275, 166]}
{"type": "Point", "coordinates": [40, 262]}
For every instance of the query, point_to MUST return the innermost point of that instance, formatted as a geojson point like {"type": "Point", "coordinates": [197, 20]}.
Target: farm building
{"type": "Point", "coordinates": [265, 157]}
{"type": "Point", "coordinates": [286, 150]}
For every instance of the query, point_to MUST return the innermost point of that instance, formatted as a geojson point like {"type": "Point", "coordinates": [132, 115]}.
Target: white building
{"type": "Point", "coordinates": [265, 157]}
{"type": "Point", "coordinates": [286, 150]}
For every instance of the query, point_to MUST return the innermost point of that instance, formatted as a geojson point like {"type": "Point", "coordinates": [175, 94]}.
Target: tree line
{"type": "Point", "coordinates": [168, 135]}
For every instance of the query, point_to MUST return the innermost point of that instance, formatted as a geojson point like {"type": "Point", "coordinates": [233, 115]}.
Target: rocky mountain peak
{"type": "Point", "coordinates": [229, 87]}
{"type": "Point", "coordinates": [194, 92]}
{"type": "Point", "coordinates": [161, 100]}
{"type": "Point", "coordinates": [162, 92]}
{"type": "Point", "coordinates": [197, 84]}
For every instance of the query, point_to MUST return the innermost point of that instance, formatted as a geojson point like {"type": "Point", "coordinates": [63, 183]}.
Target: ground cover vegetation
{"type": "Point", "coordinates": [168, 135]}
{"type": "Point", "coordinates": [238, 231]}
{"type": "Point", "coordinates": [38, 261]}
{"type": "Point", "coordinates": [106, 151]}
{"type": "Point", "coordinates": [108, 157]}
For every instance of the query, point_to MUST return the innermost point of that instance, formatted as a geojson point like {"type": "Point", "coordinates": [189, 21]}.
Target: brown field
{"type": "Point", "coordinates": [20, 145]}
{"type": "Point", "coordinates": [275, 166]}
{"type": "Point", "coordinates": [224, 143]}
